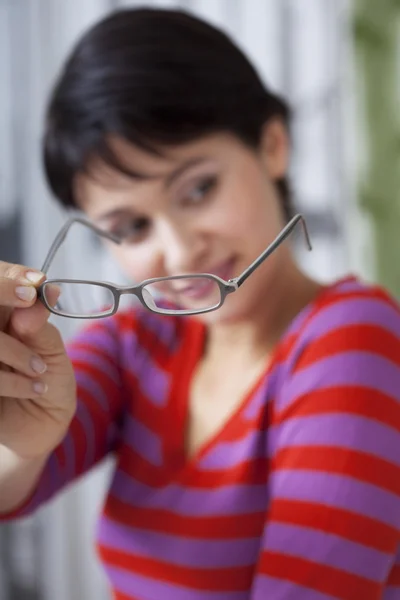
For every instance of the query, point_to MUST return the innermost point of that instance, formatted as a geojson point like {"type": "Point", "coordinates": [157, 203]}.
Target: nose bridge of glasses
{"type": "Point", "coordinates": [141, 292]}
{"type": "Point", "coordinates": [128, 289]}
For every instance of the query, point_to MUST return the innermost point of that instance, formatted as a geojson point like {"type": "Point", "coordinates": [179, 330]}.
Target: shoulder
{"type": "Point", "coordinates": [347, 312]}
{"type": "Point", "coordinates": [348, 339]}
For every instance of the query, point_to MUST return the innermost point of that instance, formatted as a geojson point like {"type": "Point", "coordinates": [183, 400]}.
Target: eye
{"type": "Point", "coordinates": [131, 230]}
{"type": "Point", "coordinates": [195, 194]}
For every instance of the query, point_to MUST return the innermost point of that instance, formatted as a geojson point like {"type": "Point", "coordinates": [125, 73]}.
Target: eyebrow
{"type": "Point", "coordinates": [168, 181]}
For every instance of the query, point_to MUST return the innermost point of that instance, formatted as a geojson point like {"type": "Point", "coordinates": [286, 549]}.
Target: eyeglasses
{"type": "Point", "coordinates": [203, 292]}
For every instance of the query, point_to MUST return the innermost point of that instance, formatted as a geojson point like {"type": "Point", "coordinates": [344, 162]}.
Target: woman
{"type": "Point", "coordinates": [257, 446]}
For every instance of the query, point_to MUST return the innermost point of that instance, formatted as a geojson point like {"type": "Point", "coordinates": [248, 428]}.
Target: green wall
{"type": "Point", "coordinates": [377, 47]}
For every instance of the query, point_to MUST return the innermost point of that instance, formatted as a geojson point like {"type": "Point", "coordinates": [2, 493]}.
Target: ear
{"type": "Point", "coordinates": [275, 148]}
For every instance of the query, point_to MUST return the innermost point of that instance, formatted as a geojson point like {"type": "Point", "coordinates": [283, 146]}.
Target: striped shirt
{"type": "Point", "coordinates": [297, 497]}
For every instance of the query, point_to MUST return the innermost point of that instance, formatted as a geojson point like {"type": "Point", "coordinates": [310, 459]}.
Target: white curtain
{"type": "Point", "coordinates": [302, 49]}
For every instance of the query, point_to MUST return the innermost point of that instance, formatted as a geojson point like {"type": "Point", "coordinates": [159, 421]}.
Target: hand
{"type": "Point", "coordinates": [37, 382]}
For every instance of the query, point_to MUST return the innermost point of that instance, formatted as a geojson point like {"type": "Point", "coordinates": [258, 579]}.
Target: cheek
{"type": "Point", "coordinates": [247, 215]}
{"type": "Point", "coordinates": [250, 203]}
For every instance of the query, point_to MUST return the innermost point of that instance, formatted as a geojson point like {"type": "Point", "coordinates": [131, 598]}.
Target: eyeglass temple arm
{"type": "Point", "coordinates": [62, 234]}
{"type": "Point", "coordinates": [278, 240]}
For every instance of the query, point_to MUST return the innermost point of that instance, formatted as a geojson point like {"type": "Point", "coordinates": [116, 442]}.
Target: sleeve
{"type": "Point", "coordinates": [94, 429]}
{"type": "Point", "coordinates": [332, 528]}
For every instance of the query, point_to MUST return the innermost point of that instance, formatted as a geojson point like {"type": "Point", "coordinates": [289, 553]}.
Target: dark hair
{"type": "Point", "coordinates": [153, 77]}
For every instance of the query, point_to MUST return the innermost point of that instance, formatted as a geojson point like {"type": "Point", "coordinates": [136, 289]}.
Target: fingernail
{"type": "Point", "coordinates": [38, 365]}
{"type": "Point", "coordinates": [34, 276]}
{"type": "Point", "coordinates": [39, 387]}
{"type": "Point", "coordinates": [25, 292]}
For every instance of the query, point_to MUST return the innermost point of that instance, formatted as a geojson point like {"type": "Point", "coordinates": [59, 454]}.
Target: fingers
{"type": "Point", "coordinates": [30, 326]}
{"type": "Point", "coordinates": [29, 321]}
{"type": "Point", "coordinates": [16, 355]}
{"type": "Point", "coordinates": [14, 385]}
{"type": "Point", "coordinates": [17, 285]}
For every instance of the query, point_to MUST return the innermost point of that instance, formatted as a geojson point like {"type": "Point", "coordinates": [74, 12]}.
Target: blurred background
{"type": "Point", "coordinates": [336, 61]}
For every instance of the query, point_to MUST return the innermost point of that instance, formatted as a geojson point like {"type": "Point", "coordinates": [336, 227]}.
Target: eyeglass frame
{"type": "Point", "coordinates": [226, 287]}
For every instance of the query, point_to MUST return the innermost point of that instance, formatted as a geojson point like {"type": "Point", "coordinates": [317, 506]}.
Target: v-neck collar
{"type": "Point", "coordinates": [185, 361]}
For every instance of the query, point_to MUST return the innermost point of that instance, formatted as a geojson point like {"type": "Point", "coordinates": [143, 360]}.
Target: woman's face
{"type": "Point", "coordinates": [205, 207]}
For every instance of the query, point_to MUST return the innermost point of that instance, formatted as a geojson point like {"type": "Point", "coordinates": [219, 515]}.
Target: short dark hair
{"type": "Point", "coordinates": [153, 77]}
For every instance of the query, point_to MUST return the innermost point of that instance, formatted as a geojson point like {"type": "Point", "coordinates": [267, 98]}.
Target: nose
{"type": "Point", "coordinates": [183, 249]}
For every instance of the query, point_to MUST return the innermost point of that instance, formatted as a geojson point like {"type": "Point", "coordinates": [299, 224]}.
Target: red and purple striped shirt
{"type": "Point", "coordinates": [296, 498]}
